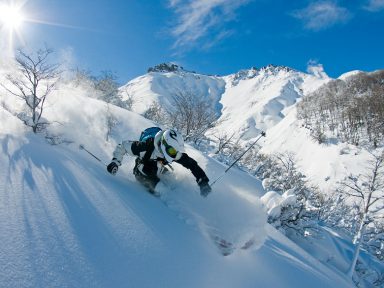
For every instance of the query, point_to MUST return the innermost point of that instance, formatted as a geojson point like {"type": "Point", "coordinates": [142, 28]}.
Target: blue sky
{"type": "Point", "coordinates": [207, 36]}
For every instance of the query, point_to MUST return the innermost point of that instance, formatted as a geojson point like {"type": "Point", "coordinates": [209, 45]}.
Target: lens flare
{"type": "Point", "coordinates": [11, 17]}
{"type": "Point", "coordinates": [11, 20]}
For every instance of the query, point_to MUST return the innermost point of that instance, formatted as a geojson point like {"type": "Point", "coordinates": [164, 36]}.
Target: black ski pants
{"type": "Point", "coordinates": [148, 178]}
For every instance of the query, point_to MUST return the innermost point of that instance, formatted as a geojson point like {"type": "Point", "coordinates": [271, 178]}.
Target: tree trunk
{"type": "Point", "coordinates": [356, 252]}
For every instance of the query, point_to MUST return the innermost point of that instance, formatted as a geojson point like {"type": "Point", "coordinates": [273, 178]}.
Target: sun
{"type": "Point", "coordinates": [11, 17]}
{"type": "Point", "coordinates": [13, 20]}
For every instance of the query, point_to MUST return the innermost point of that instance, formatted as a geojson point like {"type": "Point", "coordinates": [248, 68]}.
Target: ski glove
{"type": "Point", "coordinates": [112, 168]}
{"type": "Point", "coordinates": [205, 189]}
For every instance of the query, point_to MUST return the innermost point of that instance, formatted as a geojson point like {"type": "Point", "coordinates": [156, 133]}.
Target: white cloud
{"type": "Point", "coordinates": [197, 18]}
{"type": "Point", "coordinates": [316, 69]}
{"type": "Point", "coordinates": [173, 3]}
{"type": "Point", "coordinates": [374, 5]}
{"type": "Point", "coordinates": [321, 15]}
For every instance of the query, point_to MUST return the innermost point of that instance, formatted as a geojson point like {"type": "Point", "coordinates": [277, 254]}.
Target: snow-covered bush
{"type": "Point", "coordinates": [277, 205]}
{"type": "Point", "coordinates": [293, 204]}
{"type": "Point", "coordinates": [374, 239]}
{"type": "Point", "coordinates": [337, 212]}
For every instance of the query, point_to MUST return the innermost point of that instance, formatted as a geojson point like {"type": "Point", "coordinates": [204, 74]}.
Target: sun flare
{"type": "Point", "coordinates": [11, 17]}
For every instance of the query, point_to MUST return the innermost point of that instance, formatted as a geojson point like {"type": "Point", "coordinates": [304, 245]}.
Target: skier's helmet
{"type": "Point", "coordinates": [171, 145]}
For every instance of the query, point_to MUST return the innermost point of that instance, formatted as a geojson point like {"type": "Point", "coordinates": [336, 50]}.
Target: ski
{"type": "Point", "coordinates": [248, 244]}
{"type": "Point", "coordinates": [225, 247]}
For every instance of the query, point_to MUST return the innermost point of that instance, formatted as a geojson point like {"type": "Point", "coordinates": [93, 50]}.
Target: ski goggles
{"type": "Point", "coordinates": [171, 151]}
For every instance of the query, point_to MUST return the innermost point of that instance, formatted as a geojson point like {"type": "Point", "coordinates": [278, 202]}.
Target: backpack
{"type": "Point", "coordinates": [149, 133]}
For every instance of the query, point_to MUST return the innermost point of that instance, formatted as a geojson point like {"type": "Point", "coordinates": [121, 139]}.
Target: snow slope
{"type": "Point", "coordinates": [325, 165]}
{"type": "Point", "coordinates": [257, 99]}
{"type": "Point", "coordinates": [65, 222]}
{"type": "Point", "coordinates": [160, 87]}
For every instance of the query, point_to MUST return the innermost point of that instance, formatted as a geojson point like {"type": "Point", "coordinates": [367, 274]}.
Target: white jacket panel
{"type": "Point", "coordinates": [121, 150]}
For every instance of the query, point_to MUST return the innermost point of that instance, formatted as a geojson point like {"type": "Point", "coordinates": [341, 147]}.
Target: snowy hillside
{"type": "Point", "coordinates": [247, 102]}
{"type": "Point", "coordinates": [255, 100]}
{"type": "Point", "coordinates": [325, 165]}
{"type": "Point", "coordinates": [66, 222]}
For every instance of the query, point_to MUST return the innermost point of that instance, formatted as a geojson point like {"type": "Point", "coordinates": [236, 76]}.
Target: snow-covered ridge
{"type": "Point", "coordinates": [247, 101]}
{"type": "Point", "coordinates": [269, 70]}
{"type": "Point", "coordinates": [346, 75]}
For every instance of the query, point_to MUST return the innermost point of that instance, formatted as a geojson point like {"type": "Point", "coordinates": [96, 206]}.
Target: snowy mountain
{"type": "Point", "coordinates": [66, 222]}
{"type": "Point", "coordinates": [165, 80]}
{"type": "Point", "coordinates": [248, 101]}
{"type": "Point", "coordinates": [256, 100]}
{"type": "Point", "coordinates": [251, 101]}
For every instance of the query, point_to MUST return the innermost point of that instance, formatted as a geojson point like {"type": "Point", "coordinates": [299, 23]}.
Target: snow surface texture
{"type": "Point", "coordinates": [66, 222]}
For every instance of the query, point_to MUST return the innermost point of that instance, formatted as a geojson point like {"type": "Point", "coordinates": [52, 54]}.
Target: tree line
{"type": "Point", "coordinates": [351, 110]}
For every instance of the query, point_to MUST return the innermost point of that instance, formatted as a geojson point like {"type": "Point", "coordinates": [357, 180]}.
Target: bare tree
{"type": "Point", "coordinates": [37, 80]}
{"type": "Point", "coordinates": [369, 188]}
{"type": "Point", "coordinates": [129, 96]}
{"type": "Point", "coordinates": [82, 77]}
{"type": "Point", "coordinates": [192, 115]}
{"type": "Point", "coordinates": [223, 141]}
{"type": "Point", "coordinates": [156, 113]}
{"type": "Point", "coordinates": [111, 122]}
{"type": "Point", "coordinates": [108, 87]}
{"type": "Point", "coordinates": [129, 102]}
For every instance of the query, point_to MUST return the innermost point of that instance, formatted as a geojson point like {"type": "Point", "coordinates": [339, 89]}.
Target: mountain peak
{"type": "Point", "coordinates": [276, 68]}
{"type": "Point", "coordinates": [166, 67]}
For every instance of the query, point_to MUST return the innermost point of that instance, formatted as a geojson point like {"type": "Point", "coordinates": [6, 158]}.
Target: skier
{"type": "Point", "coordinates": [153, 153]}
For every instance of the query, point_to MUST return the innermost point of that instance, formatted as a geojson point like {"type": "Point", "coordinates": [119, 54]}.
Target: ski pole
{"type": "Point", "coordinates": [81, 147]}
{"type": "Point", "coordinates": [226, 170]}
